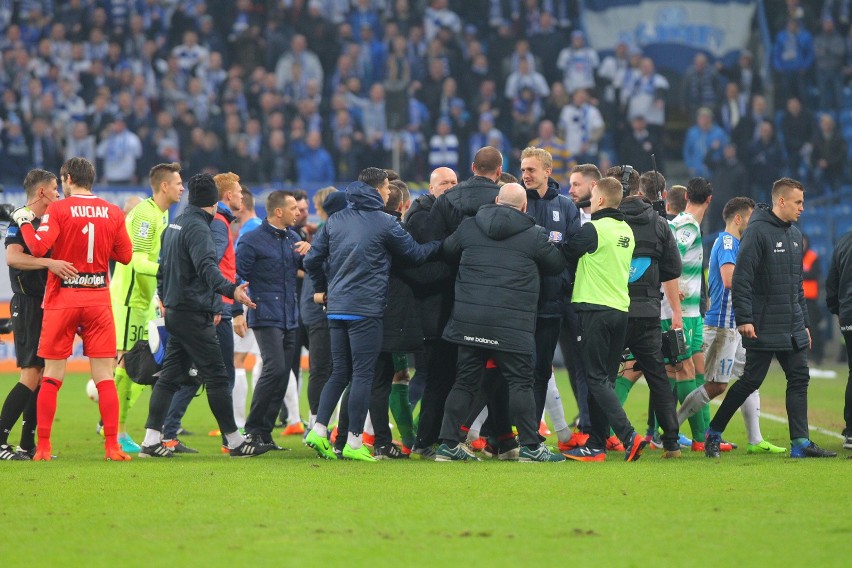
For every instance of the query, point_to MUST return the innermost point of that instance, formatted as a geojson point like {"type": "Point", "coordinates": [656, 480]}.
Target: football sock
{"type": "Point", "coordinates": [800, 442]}
{"type": "Point", "coordinates": [554, 409]}
{"type": "Point", "coordinates": [122, 389]}
{"type": "Point", "coordinates": [751, 416]}
{"type": "Point", "coordinates": [694, 402]}
{"type": "Point", "coordinates": [240, 395]}
{"type": "Point", "coordinates": [354, 441]}
{"type": "Point", "coordinates": [476, 427]}
{"type": "Point", "coordinates": [234, 439]}
{"type": "Point", "coordinates": [622, 388]}
{"type": "Point", "coordinates": [108, 404]}
{"type": "Point", "coordinates": [705, 412]}
{"type": "Point", "coordinates": [46, 409]}
{"type": "Point", "coordinates": [16, 402]}
{"type": "Point", "coordinates": [401, 410]}
{"type": "Point", "coordinates": [291, 400]}
{"type": "Point", "coordinates": [321, 429]}
{"type": "Point", "coordinates": [152, 437]}
{"type": "Point", "coordinates": [368, 425]}
{"type": "Point", "coordinates": [696, 421]}
{"type": "Point", "coordinates": [312, 419]}
{"type": "Point", "coordinates": [29, 422]}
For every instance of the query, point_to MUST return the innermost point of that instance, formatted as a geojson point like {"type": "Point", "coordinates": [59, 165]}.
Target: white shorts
{"type": "Point", "coordinates": [724, 355]}
{"type": "Point", "coordinates": [247, 344]}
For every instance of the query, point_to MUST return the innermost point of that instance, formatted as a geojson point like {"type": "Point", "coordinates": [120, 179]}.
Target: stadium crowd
{"type": "Point", "coordinates": [315, 90]}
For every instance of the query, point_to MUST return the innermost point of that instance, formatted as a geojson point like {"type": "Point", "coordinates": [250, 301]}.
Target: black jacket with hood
{"type": "Point", "coordinates": [500, 254]}
{"type": "Point", "coordinates": [838, 285]}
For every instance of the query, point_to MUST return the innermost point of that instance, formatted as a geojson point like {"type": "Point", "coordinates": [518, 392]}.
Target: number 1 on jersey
{"type": "Point", "coordinates": [89, 229]}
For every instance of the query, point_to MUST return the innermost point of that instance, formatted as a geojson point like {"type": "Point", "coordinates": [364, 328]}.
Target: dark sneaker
{"type": "Point", "coordinates": [586, 454]}
{"type": "Point", "coordinates": [389, 452]}
{"type": "Point", "coordinates": [811, 451]}
{"type": "Point", "coordinates": [273, 447]}
{"type": "Point", "coordinates": [712, 445]}
{"type": "Point", "coordinates": [634, 448]}
{"type": "Point", "coordinates": [182, 432]}
{"type": "Point", "coordinates": [179, 447]}
{"type": "Point", "coordinates": [459, 453]}
{"type": "Point", "coordinates": [509, 450]}
{"type": "Point", "coordinates": [541, 454]}
{"type": "Point", "coordinates": [158, 450]}
{"type": "Point", "coordinates": [249, 449]}
{"type": "Point", "coordinates": [423, 453]}
{"type": "Point", "coordinates": [847, 441]}
{"type": "Point", "coordinates": [8, 453]}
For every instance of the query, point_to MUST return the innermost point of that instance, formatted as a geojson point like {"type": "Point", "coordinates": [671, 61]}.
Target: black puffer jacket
{"type": "Point", "coordinates": [500, 253]}
{"type": "Point", "coordinates": [838, 286]}
{"type": "Point", "coordinates": [460, 202]}
{"type": "Point", "coordinates": [403, 331]}
{"type": "Point", "coordinates": [561, 219]}
{"type": "Point", "coordinates": [767, 288]}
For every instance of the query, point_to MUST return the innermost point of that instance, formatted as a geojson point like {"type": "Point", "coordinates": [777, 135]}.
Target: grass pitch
{"type": "Point", "coordinates": [291, 509]}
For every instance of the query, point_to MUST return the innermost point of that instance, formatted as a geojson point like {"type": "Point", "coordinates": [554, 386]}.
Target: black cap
{"type": "Point", "coordinates": [334, 202]}
{"type": "Point", "coordinates": [202, 190]}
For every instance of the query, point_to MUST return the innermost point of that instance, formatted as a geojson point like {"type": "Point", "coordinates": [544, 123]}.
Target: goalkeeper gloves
{"type": "Point", "coordinates": [23, 215]}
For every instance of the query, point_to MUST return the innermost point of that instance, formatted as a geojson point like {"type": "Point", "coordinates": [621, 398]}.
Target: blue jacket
{"type": "Point", "coordinates": [802, 52]}
{"type": "Point", "coordinates": [561, 219]}
{"type": "Point", "coordinates": [267, 261]}
{"type": "Point", "coordinates": [313, 165]}
{"type": "Point", "coordinates": [358, 243]}
{"type": "Point", "coordinates": [699, 144]}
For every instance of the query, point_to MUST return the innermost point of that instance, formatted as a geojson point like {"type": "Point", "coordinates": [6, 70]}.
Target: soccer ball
{"type": "Point", "coordinates": [92, 390]}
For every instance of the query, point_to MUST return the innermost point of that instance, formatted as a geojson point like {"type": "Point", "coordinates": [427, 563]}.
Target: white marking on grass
{"type": "Point", "coordinates": [782, 420]}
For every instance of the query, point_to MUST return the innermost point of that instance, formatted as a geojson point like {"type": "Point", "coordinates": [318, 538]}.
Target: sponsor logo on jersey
{"type": "Point", "coordinates": [144, 228]}
{"type": "Point", "coordinates": [90, 211]}
{"type": "Point", "coordinates": [11, 231]}
{"type": "Point", "coordinates": [86, 280]}
{"type": "Point", "coordinates": [45, 218]}
{"type": "Point", "coordinates": [175, 226]}
{"type": "Point", "coordinates": [728, 242]}
{"type": "Point", "coordinates": [556, 216]}
{"type": "Point", "coordinates": [685, 236]}
{"type": "Point", "coordinates": [554, 236]}
{"type": "Point", "coordinates": [484, 340]}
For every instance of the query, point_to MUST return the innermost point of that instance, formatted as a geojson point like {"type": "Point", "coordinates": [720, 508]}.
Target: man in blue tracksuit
{"type": "Point", "coordinates": [560, 217]}
{"type": "Point", "coordinates": [358, 243]}
{"type": "Point", "coordinates": [269, 257]}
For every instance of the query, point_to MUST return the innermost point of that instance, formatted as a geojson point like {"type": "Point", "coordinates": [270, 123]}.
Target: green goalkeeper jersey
{"type": "Point", "coordinates": [688, 237]}
{"type": "Point", "coordinates": [135, 284]}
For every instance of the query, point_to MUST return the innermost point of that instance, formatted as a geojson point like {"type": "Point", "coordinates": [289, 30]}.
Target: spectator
{"type": "Point", "coordinates": [438, 16]}
{"type": "Point", "coordinates": [119, 150]}
{"type": "Point", "coordinates": [14, 153]}
{"type": "Point", "coordinates": [645, 94]}
{"type": "Point", "coordinates": [547, 140]}
{"type": "Point", "coordinates": [765, 161]}
{"type": "Point", "coordinates": [276, 164]}
{"type": "Point", "coordinates": [745, 74]}
{"type": "Point", "coordinates": [798, 128]}
{"type": "Point", "coordinates": [526, 77]}
{"type": "Point", "coordinates": [444, 147]}
{"type": "Point", "coordinates": [829, 54]}
{"type": "Point", "coordinates": [348, 158]}
{"type": "Point", "coordinates": [44, 151]}
{"type": "Point", "coordinates": [732, 108]}
{"type": "Point", "coordinates": [80, 143]}
{"type": "Point", "coordinates": [730, 179]}
{"type": "Point", "coordinates": [829, 155]}
{"type": "Point", "coordinates": [578, 63]}
{"type": "Point", "coordinates": [703, 139]}
{"type": "Point", "coordinates": [313, 162]}
{"type": "Point", "coordinates": [748, 128]}
{"type": "Point", "coordinates": [701, 85]}
{"type": "Point", "coordinates": [526, 113]}
{"type": "Point", "coordinates": [638, 145]}
{"type": "Point", "coordinates": [792, 58]}
{"type": "Point", "coordinates": [582, 127]}
{"type": "Point", "coordinates": [611, 78]}
{"type": "Point", "coordinates": [300, 55]}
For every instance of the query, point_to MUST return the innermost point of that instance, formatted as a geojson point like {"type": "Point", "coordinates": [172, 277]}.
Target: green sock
{"type": "Point", "coordinates": [622, 389]}
{"type": "Point", "coordinates": [123, 384]}
{"type": "Point", "coordinates": [401, 410]}
{"type": "Point", "coordinates": [696, 421]}
{"type": "Point", "coordinates": [699, 381]}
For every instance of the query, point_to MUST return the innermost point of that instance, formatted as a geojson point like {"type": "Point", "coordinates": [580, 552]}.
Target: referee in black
{"type": "Point", "coordinates": [28, 276]}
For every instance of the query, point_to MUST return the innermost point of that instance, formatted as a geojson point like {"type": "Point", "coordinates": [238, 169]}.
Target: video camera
{"type": "Point", "coordinates": [674, 345]}
{"type": "Point", "coordinates": [6, 210]}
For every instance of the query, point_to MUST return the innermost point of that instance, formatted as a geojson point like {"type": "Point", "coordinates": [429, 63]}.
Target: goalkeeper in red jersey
{"type": "Point", "coordinates": [87, 232]}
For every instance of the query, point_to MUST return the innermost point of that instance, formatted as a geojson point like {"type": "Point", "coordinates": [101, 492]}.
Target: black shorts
{"type": "Point", "coordinates": [26, 326]}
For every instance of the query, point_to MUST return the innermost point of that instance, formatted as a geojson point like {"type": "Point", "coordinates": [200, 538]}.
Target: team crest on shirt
{"type": "Point", "coordinates": [554, 236]}
{"type": "Point", "coordinates": [728, 242]}
{"type": "Point", "coordinates": [556, 216]}
{"type": "Point", "coordinates": [144, 228]}
{"type": "Point", "coordinates": [45, 218]}
{"type": "Point", "coordinates": [685, 236]}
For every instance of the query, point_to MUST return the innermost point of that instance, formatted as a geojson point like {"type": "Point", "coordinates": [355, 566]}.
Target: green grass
{"type": "Point", "coordinates": [291, 509]}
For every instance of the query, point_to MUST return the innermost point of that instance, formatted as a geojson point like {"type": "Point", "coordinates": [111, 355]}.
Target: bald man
{"type": "Point", "coordinates": [500, 252]}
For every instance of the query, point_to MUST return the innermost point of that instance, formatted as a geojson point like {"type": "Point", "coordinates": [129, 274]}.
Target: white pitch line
{"type": "Point", "coordinates": [782, 420]}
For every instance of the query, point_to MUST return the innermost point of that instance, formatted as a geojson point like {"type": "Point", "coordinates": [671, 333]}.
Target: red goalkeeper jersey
{"type": "Point", "coordinates": [86, 231]}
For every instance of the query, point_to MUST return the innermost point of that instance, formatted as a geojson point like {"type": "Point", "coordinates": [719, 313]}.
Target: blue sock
{"type": "Point", "coordinates": [711, 432]}
{"type": "Point", "coordinates": [801, 442]}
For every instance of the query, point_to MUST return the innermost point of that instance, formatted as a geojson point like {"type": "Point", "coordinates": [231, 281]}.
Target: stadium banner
{"type": "Point", "coordinates": [671, 33]}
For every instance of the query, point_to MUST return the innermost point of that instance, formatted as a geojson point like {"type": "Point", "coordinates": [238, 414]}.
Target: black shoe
{"type": "Point", "coordinates": [182, 432]}
{"type": "Point", "coordinates": [179, 447]}
{"type": "Point", "coordinates": [712, 445]}
{"type": "Point", "coordinates": [847, 440]}
{"type": "Point", "coordinates": [249, 449]}
{"type": "Point", "coordinates": [811, 451]}
{"type": "Point", "coordinates": [8, 453]}
{"type": "Point", "coordinates": [158, 450]}
{"type": "Point", "coordinates": [273, 447]}
{"type": "Point", "coordinates": [390, 452]}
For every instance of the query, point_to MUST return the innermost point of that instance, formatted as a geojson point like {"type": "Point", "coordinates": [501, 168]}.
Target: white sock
{"type": "Point", "coordinates": [320, 429]}
{"type": "Point", "coordinates": [476, 427]}
{"type": "Point", "coordinates": [152, 437]}
{"type": "Point", "coordinates": [553, 408]}
{"type": "Point", "coordinates": [240, 395]}
{"type": "Point", "coordinates": [354, 441]}
{"type": "Point", "coordinates": [368, 425]}
{"type": "Point", "coordinates": [291, 401]}
{"type": "Point", "coordinates": [256, 370]}
{"type": "Point", "coordinates": [693, 402]}
{"type": "Point", "coordinates": [312, 419]}
{"type": "Point", "coordinates": [751, 416]}
{"type": "Point", "coordinates": [234, 439]}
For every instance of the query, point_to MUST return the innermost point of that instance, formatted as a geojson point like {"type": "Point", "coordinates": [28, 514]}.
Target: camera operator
{"type": "Point", "coordinates": [28, 276]}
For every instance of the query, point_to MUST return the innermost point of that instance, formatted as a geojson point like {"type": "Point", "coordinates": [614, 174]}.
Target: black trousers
{"type": "Point", "coordinates": [795, 366]}
{"type": "Point", "coordinates": [421, 372]}
{"type": "Point", "coordinates": [847, 407]}
{"type": "Point", "coordinates": [442, 374]}
{"type": "Point", "coordinates": [319, 362]}
{"type": "Point", "coordinates": [645, 343]}
{"type": "Point", "coordinates": [379, 405]}
{"type": "Point", "coordinates": [546, 338]}
{"type": "Point", "coordinates": [192, 338]}
{"type": "Point", "coordinates": [277, 348]}
{"type": "Point", "coordinates": [574, 364]}
{"type": "Point", "coordinates": [601, 339]}
{"type": "Point", "coordinates": [516, 369]}
{"type": "Point", "coordinates": [495, 395]}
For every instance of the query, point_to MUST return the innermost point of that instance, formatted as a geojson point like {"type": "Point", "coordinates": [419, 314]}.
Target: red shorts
{"type": "Point", "coordinates": [94, 324]}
